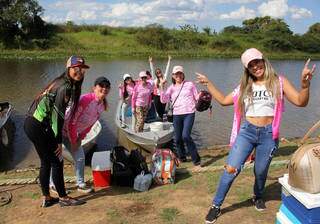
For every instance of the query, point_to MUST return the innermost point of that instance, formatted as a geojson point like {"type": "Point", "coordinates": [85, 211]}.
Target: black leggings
{"type": "Point", "coordinates": [160, 107]}
{"type": "Point", "coordinates": [45, 144]}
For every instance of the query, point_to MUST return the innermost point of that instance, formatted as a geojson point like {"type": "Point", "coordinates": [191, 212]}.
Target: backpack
{"type": "Point", "coordinates": [163, 166]}
{"type": "Point", "coordinates": [204, 101]}
{"type": "Point", "coordinates": [122, 174]}
{"type": "Point", "coordinates": [138, 163]}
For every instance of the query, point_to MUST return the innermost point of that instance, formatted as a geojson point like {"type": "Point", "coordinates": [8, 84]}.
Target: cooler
{"type": "Point", "coordinates": [299, 206]}
{"type": "Point", "coordinates": [101, 169]}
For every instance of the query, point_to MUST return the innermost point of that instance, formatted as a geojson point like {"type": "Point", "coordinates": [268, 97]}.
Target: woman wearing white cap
{"type": "Point", "coordinates": [183, 95]}
{"type": "Point", "coordinates": [141, 101]}
{"type": "Point", "coordinates": [259, 99]}
{"type": "Point", "coordinates": [125, 93]}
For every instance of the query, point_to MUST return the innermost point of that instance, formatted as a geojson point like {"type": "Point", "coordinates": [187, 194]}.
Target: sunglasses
{"type": "Point", "coordinates": [79, 70]}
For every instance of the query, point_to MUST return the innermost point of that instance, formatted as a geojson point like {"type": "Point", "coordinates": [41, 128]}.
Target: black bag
{"type": "Point", "coordinates": [138, 162]}
{"type": "Point", "coordinates": [170, 107]}
{"type": "Point", "coordinates": [121, 171]}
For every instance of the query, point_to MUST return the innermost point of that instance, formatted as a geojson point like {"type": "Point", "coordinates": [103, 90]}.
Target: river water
{"type": "Point", "coordinates": [22, 80]}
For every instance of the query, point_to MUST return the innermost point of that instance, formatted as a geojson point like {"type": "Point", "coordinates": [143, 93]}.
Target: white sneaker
{"type": "Point", "coordinates": [84, 189]}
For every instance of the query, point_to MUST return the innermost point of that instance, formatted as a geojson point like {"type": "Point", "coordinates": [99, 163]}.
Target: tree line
{"type": "Point", "coordinates": [21, 27]}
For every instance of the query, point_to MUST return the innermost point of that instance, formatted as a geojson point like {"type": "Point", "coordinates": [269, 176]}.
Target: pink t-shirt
{"type": "Point", "coordinates": [87, 113]}
{"type": "Point", "coordinates": [186, 101]}
{"type": "Point", "coordinates": [141, 95]}
{"type": "Point", "coordinates": [129, 90]}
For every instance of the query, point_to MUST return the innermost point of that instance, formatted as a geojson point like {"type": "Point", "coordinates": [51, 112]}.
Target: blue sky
{"type": "Point", "coordinates": [216, 14]}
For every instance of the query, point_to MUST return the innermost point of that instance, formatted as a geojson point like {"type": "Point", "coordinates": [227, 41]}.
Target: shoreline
{"type": "Point", "coordinates": [39, 55]}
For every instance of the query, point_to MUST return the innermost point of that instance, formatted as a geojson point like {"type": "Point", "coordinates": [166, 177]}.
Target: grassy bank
{"type": "Point", "coordinates": [187, 201]}
{"type": "Point", "coordinates": [121, 44]}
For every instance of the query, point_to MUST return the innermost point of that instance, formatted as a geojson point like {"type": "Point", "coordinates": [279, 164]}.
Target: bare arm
{"type": "Point", "coordinates": [217, 94]}
{"type": "Point", "coordinates": [299, 98]}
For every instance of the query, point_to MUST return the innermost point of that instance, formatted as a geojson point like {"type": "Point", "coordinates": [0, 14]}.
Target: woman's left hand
{"type": "Point", "coordinates": [307, 74]}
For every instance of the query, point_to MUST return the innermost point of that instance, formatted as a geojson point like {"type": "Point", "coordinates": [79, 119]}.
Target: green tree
{"type": "Point", "coordinates": [207, 30]}
{"type": "Point", "coordinates": [314, 29]}
{"type": "Point", "coordinates": [20, 22]}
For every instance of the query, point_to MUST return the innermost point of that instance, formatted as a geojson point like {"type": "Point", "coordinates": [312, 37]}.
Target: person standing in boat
{"type": "Point", "coordinates": [160, 107]}
{"type": "Point", "coordinates": [76, 127]}
{"type": "Point", "coordinates": [125, 93]}
{"type": "Point", "coordinates": [183, 96]}
{"type": "Point", "coordinates": [141, 101]}
{"type": "Point", "coordinates": [44, 123]}
{"type": "Point", "coordinates": [259, 100]}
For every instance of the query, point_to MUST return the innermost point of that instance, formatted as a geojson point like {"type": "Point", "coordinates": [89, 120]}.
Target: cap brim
{"type": "Point", "coordinates": [80, 65]}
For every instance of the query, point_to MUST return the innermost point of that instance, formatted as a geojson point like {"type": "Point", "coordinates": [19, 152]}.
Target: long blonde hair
{"type": "Point", "coordinates": [271, 82]}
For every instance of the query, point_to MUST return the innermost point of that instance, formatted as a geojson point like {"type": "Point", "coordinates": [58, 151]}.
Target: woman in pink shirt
{"type": "Point", "coordinates": [76, 127]}
{"type": "Point", "coordinates": [183, 96]}
{"type": "Point", "coordinates": [125, 93]}
{"type": "Point", "coordinates": [259, 100]}
{"type": "Point", "coordinates": [141, 101]}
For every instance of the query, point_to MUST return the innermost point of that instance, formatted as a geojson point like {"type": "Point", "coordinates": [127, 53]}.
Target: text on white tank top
{"type": "Point", "coordinates": [262, 102]}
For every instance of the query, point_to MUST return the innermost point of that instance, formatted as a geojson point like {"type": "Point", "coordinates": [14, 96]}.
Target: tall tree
{"type": "Point", "coordinates": [20, 22]}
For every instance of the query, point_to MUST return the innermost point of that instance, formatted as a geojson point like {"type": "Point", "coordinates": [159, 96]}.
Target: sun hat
{"type": "Point", "coordinates": [125, 76]}
{"type": "Point", "coordinates": [75, 61]}
{"type": "Point", "coordinates": [143, 74]}
{"type": "Point", "coordinates": [250, 55]}
{"type": "Point", "coordinates": [102, 81]}
{"type": "Point", "coordinates": [177, 68]}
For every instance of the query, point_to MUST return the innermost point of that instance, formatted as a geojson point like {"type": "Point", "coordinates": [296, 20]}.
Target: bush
{"type": "Point", "coordinates": [277, 44]}
{"type": "Point", "coordinates": [224, 43]}
{"type": "Point", "coordinates": [41, 43]}
{"type": "Point", "coordinates": [105, 31]}
{"type": "Point", "coordinates": [307, 42]}
{"type": "Point", "coordinates": [154, 36]}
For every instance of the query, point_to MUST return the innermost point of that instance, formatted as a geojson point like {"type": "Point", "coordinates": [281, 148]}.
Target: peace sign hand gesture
{"type": "Point", "coordinates": [307, 74]}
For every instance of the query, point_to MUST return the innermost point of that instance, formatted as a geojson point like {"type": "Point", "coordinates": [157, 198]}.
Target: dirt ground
{"type": "Point", "coordinates": [187, 201]}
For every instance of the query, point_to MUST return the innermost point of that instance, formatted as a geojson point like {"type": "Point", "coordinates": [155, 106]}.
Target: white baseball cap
{"type": "Point", "coordinates": [125, 76]}
{"type": "Point", "coordinates": [177, 68]}
{"type": "Point", "coordinates": [250, 55]}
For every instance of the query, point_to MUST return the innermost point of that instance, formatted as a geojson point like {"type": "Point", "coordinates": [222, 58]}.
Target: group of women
{"type": "Point", "coordinates": [258, 101]}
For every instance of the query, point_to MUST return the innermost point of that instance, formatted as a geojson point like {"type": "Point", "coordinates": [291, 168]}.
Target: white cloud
{"type": "Point", "coordinates": [241, 13]}
{"type": "Point", "coordinates": [300, 13]}
{"type": "Point", "coordinates": [231, 1]}
{"type": "Point", "coordinates": [274, 8]}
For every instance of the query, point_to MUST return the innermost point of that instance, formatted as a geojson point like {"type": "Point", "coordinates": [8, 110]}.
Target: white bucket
{"type": "Point", "coordinates": [101, 169]}
{"type": "Point", "coordinates": [101, 161]}
{"type": "Point", "coordinates": [156, 126]}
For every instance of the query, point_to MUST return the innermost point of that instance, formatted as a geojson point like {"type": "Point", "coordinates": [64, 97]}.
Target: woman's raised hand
{"type": "Point", "coordinates": [202, 79]}
{"type": "Point", "coordinates": [150, 59]}
{"type": "Point", "coordinates": [306, 74]}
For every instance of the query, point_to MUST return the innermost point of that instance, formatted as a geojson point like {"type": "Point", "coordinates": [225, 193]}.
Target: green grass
{"type": "Point", "coordinates": [120, 44]}
{"type": "Point", "coordinates": [169, 214]}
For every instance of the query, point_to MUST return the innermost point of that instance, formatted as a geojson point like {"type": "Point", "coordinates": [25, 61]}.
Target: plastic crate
{"type": "Point", "coordinates": [282, 219]}
{"type": "Point", "coordinates": [304, 206]}
{"type": "Point", "coordinates": [290, 216]}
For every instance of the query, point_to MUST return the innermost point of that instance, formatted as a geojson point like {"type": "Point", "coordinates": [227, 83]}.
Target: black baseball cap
{"type": "Point", "coordinates": [103, 82]}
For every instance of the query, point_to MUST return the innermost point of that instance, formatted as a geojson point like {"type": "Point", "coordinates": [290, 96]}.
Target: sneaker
{"type": "Point", "coordinates": [49, 202]}
{"type": "Point", "coordinates": [84, 189]}
{"type": "Point", "coordinates": [213, 214]}
{"type": "Point", "coordinates": [259, 204]}
{"type": "Point", "coordinates": [70, 202]}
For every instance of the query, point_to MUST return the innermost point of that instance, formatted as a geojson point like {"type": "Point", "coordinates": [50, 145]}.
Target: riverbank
{"type": "Point", "coordinates": [121, 44]}
{"type": "Point", "coordinates": [131, 54]}
{"type": "Point", "coordinates": [187, 201]}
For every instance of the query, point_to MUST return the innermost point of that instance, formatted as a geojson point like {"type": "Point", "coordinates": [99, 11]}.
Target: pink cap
{"type": "Point", "coordinates": [143, 74]}
{"type": "Point", "coordinates": [177, 68]}
{"type": "Point", "coordinates": [250, 55]}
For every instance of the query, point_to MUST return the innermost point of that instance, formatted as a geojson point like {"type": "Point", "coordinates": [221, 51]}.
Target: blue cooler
{"type": "Point", "coordinates": [299, 206]}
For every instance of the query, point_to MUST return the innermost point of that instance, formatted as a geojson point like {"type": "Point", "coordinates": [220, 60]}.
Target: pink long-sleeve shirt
{"type": "Point", "coordinates": [129, 90]}
{"type": "Point", "coordinates": [141, 95]}
{"type": "Point", "coordinates": [186, 101]}
{"type": "Point", "coordinates": [87, 113]}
